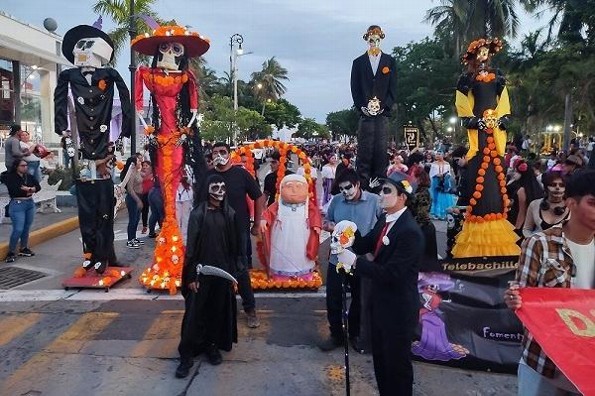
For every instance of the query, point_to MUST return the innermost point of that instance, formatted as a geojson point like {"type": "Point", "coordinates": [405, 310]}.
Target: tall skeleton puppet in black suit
{"type": "Point", "coordinates": [92, 88]}
{"type": "Point", "coordinates": [373, 88]}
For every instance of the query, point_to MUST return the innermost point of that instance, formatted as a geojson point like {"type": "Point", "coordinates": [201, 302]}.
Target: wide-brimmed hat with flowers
{"type": "Point", "coordinates": [148, 43]}
{"type": "Point", "coordinates": [494, 45]}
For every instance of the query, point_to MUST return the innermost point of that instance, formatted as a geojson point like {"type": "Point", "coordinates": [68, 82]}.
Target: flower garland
{"type": "Point", "coordinates": [167, 31]}
{"type": "Point", "coordinates": [490, 156]}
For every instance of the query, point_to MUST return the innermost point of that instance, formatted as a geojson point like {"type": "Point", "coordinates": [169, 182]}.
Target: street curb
{"type": "Point", "coordinates": [46, 233]}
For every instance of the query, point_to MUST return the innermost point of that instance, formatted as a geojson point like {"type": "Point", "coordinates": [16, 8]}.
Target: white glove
{"type": "Point", "coordinates": [365, 111]}
{"type": "Point", "coordinates": [346, 261]}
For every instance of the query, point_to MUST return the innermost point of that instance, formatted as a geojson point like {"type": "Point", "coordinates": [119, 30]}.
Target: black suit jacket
{"type": "Point", "coordinates": [394, 272]}
{"type": "Point", "coordinates": [93, 105]}
{"type": "Point", "coordinates": [365, 85]}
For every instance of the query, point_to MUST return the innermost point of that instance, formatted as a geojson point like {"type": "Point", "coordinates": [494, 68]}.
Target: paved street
{"type": "Point", "coordinates": [57, 342]}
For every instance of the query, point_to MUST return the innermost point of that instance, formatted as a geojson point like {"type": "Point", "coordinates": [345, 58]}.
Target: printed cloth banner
{"type": "Point", "coordinates": [463, 321]}
{"type": "Point", "coordinates": [563, 324]}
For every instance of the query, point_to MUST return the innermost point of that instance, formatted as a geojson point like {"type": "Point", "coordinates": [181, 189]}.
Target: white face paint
{"type": "Point", "coordinates": [556, 190]}
{"type": "Point", "coordinates": [91, 52]}
{"type": "Point", "coordinates": [220, 159]}
{"type": "Point", "coordinates": [374, 44]}
{"type": "Point", "coordinates": [217, 191]}
{"type": "Point", "coordinates": [388, 196]}
{"type": "Point", "coordinates": [348, 190]}
{"type": "Point", "coordinates": [169, 53]}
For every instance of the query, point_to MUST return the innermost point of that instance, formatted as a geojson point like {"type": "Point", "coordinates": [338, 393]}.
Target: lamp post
{"type": "Point", "coordinates": [236, 39]}
{"type": "Point", "coordinates": [132, 68]}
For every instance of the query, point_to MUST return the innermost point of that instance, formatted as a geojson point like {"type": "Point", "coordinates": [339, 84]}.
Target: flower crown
{"type": "Point", "coordinates": [376, 30]}
{"type": "Point", "coordinates": [494, 45]}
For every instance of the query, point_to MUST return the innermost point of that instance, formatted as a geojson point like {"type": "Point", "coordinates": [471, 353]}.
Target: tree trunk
{"type": "Point", "coordinates": [567, 120]}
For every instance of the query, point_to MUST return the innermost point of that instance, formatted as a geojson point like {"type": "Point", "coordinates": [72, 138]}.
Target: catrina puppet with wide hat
{"type": "Point", "coordinates": [90, 89]}
{"type": "Point", "coordinates": [173, 135]}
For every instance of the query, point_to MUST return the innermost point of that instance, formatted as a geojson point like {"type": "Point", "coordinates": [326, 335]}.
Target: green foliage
{"type": "Point", "coordinates": [282, 113]}
{"type": "Point", "coordinates": [310, 129]}
{"type": "Point", "coordinates": [343, 122]}
{"type": "Point", "coordinates": [427, 76]}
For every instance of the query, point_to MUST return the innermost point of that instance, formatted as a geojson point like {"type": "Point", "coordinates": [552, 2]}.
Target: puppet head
{"type": "Point", "coordinates": [374, 35]}
{"type": "Point", "coordinates": [169, 44]}
{"type": "Point", "coordinates": [481, 50]}
{"type": "Point", "coordinates": [294, 189]}
{"type": "Point", "coordinates": [89, 46]}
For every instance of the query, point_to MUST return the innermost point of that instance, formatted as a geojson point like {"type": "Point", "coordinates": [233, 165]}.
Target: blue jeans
{"type": "Point", "coordinates": [133, 216]}
{"type": "Point", "coordinates": [157, 212]}
{"type": "Point", "coordinates": [34, 170]}
{"type": "Point", "coordinates": [21, 213]}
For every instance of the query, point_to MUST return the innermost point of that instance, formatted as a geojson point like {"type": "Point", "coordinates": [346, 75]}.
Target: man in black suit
{"type": "Point", "coordinates": [374, 89]}
{"type": "Point", "coordinates": [397, 243]}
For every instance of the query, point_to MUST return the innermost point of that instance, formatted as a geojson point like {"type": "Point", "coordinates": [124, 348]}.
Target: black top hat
{"type": "Point", "coordinates": [402, 182]}
{"type": "Point", "coordinates": [80, 32]}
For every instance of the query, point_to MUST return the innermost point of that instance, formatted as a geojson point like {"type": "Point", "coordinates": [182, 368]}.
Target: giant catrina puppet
{"type": "Point", "coordinates": [483, 105]}
{"type": "Point", "coordinates": [174, 140]}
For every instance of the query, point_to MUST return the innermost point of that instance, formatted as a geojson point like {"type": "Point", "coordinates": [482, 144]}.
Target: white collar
{"type": "Point", "coordinates": [391, 218]}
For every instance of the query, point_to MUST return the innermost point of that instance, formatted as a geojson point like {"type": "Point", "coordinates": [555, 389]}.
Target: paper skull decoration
{"type": "Point", "coordinates": [170, 55]}
{"type": "Point", "coordinates": [341, 239]}
{"type": "Point", "coordinates": [491, 118]}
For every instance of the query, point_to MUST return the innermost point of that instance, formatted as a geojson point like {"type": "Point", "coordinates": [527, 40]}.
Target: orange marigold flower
{"type": "Point", "coordinates": [485, 165]}
{"type": "Point", "coordinates": [477, 195]}
{"type": "Point", "coordinates": [499, 169]}
{"type": "Point", "coordinates": [478, 187]}
{"type": "Point", "coordinates": [486, 159]}
{"type": "Point", "coordinates": [497, 161]}
{"type": "Point", "coordinates": [490, 139]}
{"type": "Point", "coordinates": [472, 202]}
{"type": "Point", "coordinates": [102, 85]}
{"type": "Point", "coordinates": [385, 70]}
{"type": "Point", "coordinates": [481, 172]}
{"type": "Point", "coordinates": [486, 151]}
{"type": "Point", "coordinates": [480, 179]}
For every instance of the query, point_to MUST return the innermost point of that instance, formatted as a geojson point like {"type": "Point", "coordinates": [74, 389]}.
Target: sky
{"type": "Point", "coordinates": [315, 40]}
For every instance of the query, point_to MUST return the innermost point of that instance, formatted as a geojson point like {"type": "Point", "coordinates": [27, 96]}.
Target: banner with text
{"type": "Point", "coordinates": [563, 324]}
{"type": "Point", "coordinates": [463, 320]}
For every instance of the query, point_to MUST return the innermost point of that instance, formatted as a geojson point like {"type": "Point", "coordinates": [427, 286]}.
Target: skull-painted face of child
{"type": "Point", "coordinates": [217, 191]}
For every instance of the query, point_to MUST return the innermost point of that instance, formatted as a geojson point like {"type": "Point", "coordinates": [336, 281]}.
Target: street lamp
{"type": "Point", "coordinates": [236, 39]}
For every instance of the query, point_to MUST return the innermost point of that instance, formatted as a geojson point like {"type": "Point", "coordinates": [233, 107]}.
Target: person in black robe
{"type": "Point", "coordinates": [210, 321]}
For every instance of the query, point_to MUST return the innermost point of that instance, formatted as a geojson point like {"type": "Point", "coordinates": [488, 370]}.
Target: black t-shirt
{"type": "Point", "coordinates": [238, 183]}
{"type": "Point", "coordinates": [270, 186]}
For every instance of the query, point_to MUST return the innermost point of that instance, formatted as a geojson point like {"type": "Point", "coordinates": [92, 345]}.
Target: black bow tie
{"type": "Point", "coordinates": [86, 73]}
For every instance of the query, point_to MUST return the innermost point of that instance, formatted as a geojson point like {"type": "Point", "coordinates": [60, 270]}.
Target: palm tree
{"type": "Point", "coordinates": [450, 20]}
{"type": "Point", "coordinates": [119, 12]}
{"type": "Point", "coordinates": [466, 20]}
{"type": "Point", "coordinates": [572, 17]}
{"type": "Point", "coordinates": [270, 78]}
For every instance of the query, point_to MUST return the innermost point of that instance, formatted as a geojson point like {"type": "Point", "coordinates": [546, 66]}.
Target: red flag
{"type": "Point", "coordinates": [562, 321]}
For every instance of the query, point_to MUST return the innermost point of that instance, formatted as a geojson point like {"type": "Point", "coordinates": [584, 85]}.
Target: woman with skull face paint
{"type": "Point", "coordinates": [549, 211]}
{"type": "Point", "coordinates": [214, 238]}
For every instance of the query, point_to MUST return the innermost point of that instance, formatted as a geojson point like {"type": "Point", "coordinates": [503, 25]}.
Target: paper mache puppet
{"type": "Point", "coordinates": [292, 229]}
{"type": "Point", "coordinates": [91, 85]}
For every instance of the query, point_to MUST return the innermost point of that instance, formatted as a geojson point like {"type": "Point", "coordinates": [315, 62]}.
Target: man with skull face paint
{"type": "Point", "coordinates": [239, 184]}
{"type": "Point", "coordinates": [397, 243]}
{"type": "Point", "coordinates": [374, 91]}
{"type": "Point", "coordinates": [215, 239]}
{"type": "Point", "coordinates": [363, 208]}
{"type": "Point", "coordinates": [92, 88]}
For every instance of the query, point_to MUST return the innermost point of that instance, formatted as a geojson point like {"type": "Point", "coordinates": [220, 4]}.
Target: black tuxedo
{"type": "Point", "coordinates": [365, 84]}
{"type": "Point", "coordinates": [395, 299]}
{"type": "Point", "coordinates": [372, 137]}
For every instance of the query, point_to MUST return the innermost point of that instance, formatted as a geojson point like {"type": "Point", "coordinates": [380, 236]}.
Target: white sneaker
{"type": "Point", "coordinates": [139, 241]}
{"type": "Point", "coordinates": [132, 244]}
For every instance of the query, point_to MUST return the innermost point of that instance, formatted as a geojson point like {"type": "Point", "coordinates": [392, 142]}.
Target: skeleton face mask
{"type": "Point", "coordinates": [483, 54]}
{"type": "Point", "coordinates": [374, 44]}
{"type": "Point", "coordinates": [217, 191]}
{"type": "Point", "coordinates": [91, 52]}
{"type": "Point", "coordinates": [348, 190]}
{"type": "Point", "coordinates": [388, 196]}
{"type": "Point", "coordinates": [170, 55]}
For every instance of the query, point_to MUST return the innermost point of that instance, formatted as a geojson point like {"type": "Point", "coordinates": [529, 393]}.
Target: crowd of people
{"type": "Point", "coordinates": [551, 200]}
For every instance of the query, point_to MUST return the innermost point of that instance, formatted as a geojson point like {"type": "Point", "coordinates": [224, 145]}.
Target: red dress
{"type": "Point", "coordinates": [169, 250]}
